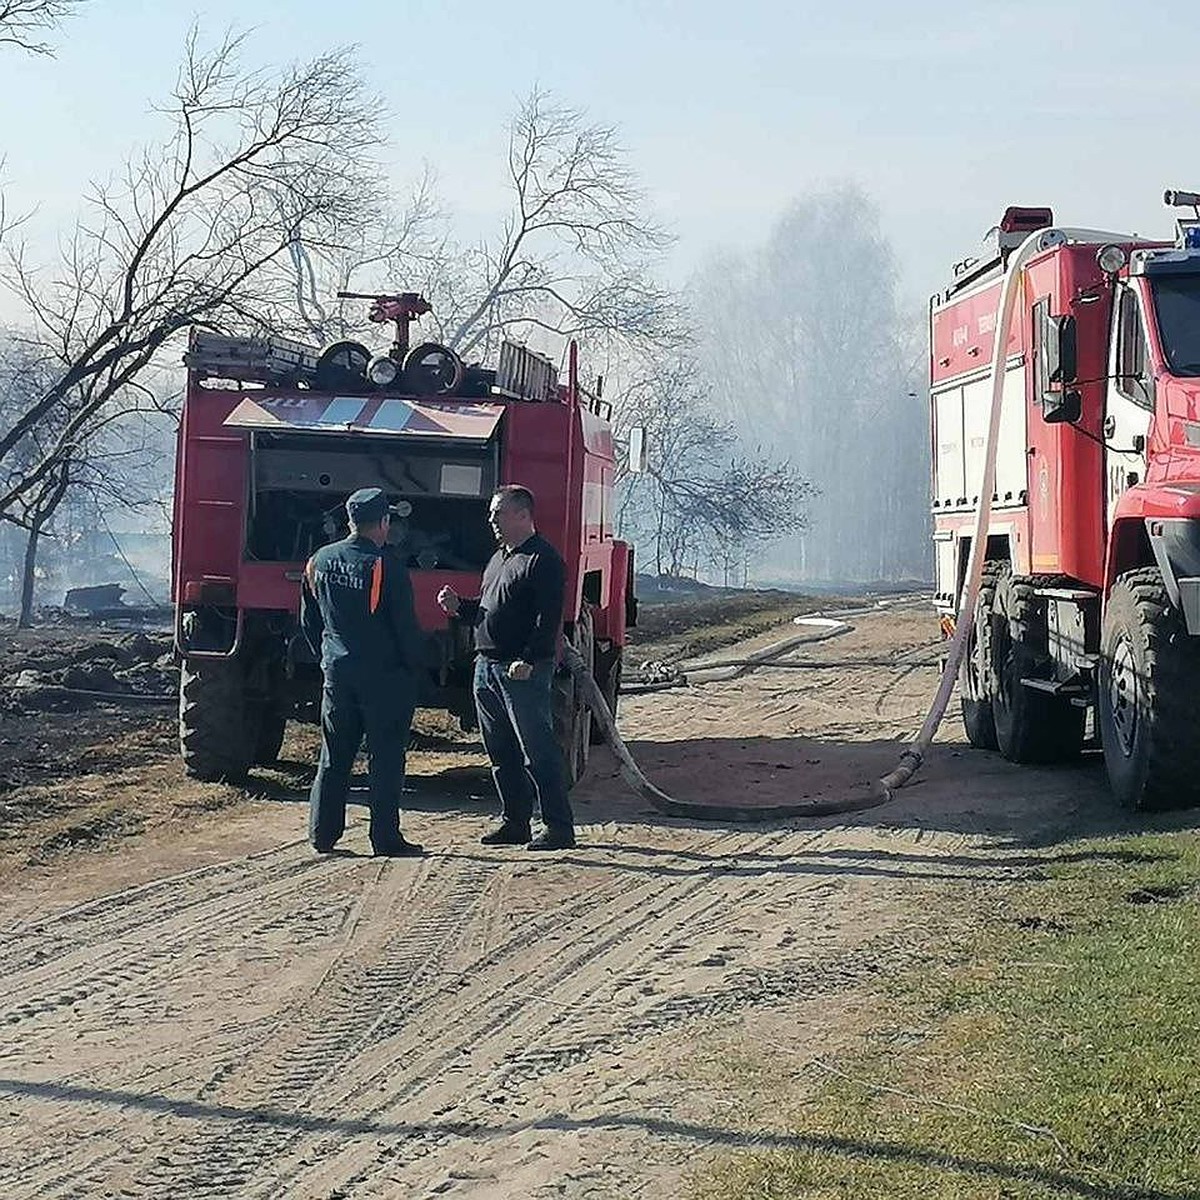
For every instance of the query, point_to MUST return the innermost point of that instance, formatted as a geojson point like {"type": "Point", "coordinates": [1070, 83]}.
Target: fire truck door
{"type": "Point", "coordinates": [1129, 402]}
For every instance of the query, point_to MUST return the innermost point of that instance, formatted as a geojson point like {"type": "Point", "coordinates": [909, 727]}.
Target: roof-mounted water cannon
{"type": "Point", "coordinates": [429, 369]}
{"type": "Point", "coordinates": [404, 309]}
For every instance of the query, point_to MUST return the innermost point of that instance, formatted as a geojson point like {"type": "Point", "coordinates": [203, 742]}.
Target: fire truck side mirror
{"type": "Point", "coordinates": [637, 450]}
{"type": "Point", "coordinates": [1057, 365]}
{"type": "Point", "coordinates": [1062, 407]}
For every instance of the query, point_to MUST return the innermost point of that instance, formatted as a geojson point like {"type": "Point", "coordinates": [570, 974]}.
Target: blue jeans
{"type": "Point", "coordinates": [517, 723]}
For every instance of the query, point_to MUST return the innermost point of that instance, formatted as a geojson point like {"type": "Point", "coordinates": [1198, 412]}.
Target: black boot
{"type": "Point", "coordinates": [400, 849]}
{"type": "Point", "coordinates": [554, 838]}
{"type": "Point", "coordinates": [506, 835]}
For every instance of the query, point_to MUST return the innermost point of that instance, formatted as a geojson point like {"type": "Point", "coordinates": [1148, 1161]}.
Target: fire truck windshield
{"type": "Point", "coordinates": [1177, 306]}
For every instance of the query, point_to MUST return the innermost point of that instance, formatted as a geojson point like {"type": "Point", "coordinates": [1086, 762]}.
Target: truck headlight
{"type": "Point", "coordinates": [1110, 259]}
{"type": "Point", "coordinates": [382, 370]}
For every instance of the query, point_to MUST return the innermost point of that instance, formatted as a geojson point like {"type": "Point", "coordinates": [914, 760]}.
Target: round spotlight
{"type": "Point", "coordinates": [432, 370]}
{"type": "Point", "coordinates": [382, 370]}
{"type": "Point", "coordinates": [1110, 259]}
{"type": "Point", "coordinates": [341, 366]}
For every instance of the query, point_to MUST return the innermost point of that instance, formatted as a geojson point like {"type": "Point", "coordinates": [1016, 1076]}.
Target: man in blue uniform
{"type": "Point", "coordinates": [517, 620]}
{"type": "Point", "coordinates": [357, 614]}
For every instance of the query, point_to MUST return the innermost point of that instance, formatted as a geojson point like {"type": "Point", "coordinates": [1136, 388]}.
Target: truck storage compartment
{"type": "Point", "coordinates": [299, 484]}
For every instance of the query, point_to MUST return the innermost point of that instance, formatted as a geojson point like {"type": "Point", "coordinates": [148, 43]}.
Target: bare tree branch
{"type": "Point", "coordinates": [702, 496]}
{"type": "Point", "coordinates": [576, 251]}
{"type": "Point", "coordinates": [24, 22]}
{"type": "Point", "coordinates": [194, 230]}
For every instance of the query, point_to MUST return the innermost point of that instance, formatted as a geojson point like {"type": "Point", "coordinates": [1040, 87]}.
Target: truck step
{"type": "Point", "coordinates": [1078, 595]}
{"type": "Point", "coordinates": [1067, 688]}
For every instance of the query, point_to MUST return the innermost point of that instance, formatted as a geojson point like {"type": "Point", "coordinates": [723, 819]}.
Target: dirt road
{"type": "Point", "coordinates": [481, 1023]}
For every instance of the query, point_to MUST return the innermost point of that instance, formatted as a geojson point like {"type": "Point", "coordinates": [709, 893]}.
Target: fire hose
{"type": "Point", "coordinates": [885, 788]}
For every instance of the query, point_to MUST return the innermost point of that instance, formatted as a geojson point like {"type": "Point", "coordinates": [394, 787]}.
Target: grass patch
{"type": "Point", "coordinates": [1061, 1058]}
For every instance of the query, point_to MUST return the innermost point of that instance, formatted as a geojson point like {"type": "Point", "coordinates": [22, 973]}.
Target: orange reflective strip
{"type": "Point", "coordinates": [376, 583]}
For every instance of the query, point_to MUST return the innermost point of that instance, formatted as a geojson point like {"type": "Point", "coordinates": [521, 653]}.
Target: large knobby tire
{"type": "Point", "coordinates": [608, 679]}
{"type": "Point", "coordinates": [1031, 726]}
{"type": "Point", "coordinates": [975, 697]}
{"type": "Point", "coordinates": [1146, 699]}
{"type": "Point", "coordinates": [213, 736]}
{"type": "Point", "coordinates": [572, 717]}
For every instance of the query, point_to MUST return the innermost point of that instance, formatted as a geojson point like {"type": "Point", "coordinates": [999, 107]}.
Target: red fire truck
{"type": "Point", "coordinates": [1090, 599]}
{"type": "Point", "coordinates": [273, 438]}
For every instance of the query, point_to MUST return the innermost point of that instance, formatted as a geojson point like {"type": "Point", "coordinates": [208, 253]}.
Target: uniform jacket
{"type": "Point", "coordinates": [356, 605]}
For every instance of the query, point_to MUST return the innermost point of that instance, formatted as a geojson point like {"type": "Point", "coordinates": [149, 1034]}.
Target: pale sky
{"type": "Point", "coordinates": [943, 112]}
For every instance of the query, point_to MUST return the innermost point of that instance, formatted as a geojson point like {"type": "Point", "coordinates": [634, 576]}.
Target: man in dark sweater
{"type": "Point", "coordinates": [356, 611]}
{"type": "Point", "coordinates": [517, 621]}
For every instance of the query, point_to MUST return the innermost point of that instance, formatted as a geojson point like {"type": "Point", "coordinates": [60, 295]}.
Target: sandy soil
{"type": "Point", "coordinates": [246, 1020]}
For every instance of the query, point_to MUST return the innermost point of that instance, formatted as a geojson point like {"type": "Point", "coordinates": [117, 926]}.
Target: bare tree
{"type": "Point", "coordinates": [195, 231]}
{"type": "Point", "coordinates": [24, 373]}
{"type": "Point", "coordinates": [24, 23]}
{"type": "Point", "coordinates": [574, 256]}
{"type": "Point", "coordinates": [124, 477]}
{"type": "Point", "coordinates": [575, 253]}
{"type": "Point", "coordinates": [703, 496]}
{"type": "Point", "coordinates": [812, 350]}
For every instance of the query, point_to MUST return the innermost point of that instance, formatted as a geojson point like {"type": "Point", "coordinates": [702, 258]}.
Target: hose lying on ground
{"type": "Point", "coordinates": [695, 810]}
{"type": "Point", "coordinates": [54, 691]}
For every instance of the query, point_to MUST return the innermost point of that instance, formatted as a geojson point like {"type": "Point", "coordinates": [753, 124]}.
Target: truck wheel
{"type": "Point", "coordinates": [608, 679]}
{"type": "Point", "coordinates": [973, 674]}
{"type": "Point", "coordinates": [1145, 704]}
{"type": "Point", "coordinates": [572, 717]}
{"type": "Point", "coordinates": [212, 720]}
{"type": "Point", "coordinates": [1031, 726]}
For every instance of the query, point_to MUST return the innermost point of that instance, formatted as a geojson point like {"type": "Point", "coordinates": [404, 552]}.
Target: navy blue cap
{"type": "Point", "coordinates": [367, 506]}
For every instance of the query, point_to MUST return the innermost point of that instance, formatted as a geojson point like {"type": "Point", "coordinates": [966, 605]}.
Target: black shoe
{"type": "Point", "coordinates": [506, 835]}
{"type": "Point", "coordinates": [321, 848]}
{"type": "Point", "coordinates": [400, 849]}
{"type": "Point", "coordinates": [554, 839]}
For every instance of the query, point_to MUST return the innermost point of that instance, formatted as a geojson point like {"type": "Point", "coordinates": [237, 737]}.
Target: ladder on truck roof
{"type": "Point", "coordinates": [270, 359]}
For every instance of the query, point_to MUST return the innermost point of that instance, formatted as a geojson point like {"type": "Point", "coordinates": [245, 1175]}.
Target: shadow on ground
{"type": "Point", "coordinates": [295, 1123]}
